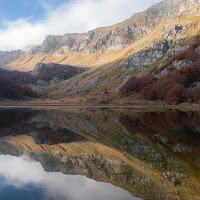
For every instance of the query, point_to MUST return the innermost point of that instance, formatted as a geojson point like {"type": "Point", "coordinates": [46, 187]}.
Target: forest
{"type": "Point", "coordinates": [16, 84]}
{"type": "Point", "coordinates": [12, 90]}
{"type": "Point", "coordinates": [46, 73]}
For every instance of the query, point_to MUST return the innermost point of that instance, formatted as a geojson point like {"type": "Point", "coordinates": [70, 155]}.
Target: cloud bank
{"type": "Point", "coordinates": [70, 16]}
{"type": "Point", "coordinates": [21, 172]}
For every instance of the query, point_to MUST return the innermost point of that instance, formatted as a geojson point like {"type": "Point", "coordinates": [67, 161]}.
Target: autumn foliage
{"type": "Point", "coordinates": [176, 126]}
{"type": "Point", "coordinates": [189, 54]}
{"type": "Point", "coordinates": [175, 87]}
{"type": "Point", "coordinates": [45, 73]}
{"type": "Point", "coordinates": [13, 84]}
{"type": "Point", "coordinates": [61, 72]}
{"type": "Point", "coordinates": [10, 89]}
{"type": "Point", "coordinates": [197, 93]}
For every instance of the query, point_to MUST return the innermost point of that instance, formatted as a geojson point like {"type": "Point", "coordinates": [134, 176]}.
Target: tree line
{"type": "Point", "coordinates": [180, 85]}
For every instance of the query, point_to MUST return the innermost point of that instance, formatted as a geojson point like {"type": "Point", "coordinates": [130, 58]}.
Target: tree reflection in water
{"type": "Point", "coordinates": [153, 155]}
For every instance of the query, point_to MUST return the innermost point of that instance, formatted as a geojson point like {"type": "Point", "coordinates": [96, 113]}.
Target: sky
{"type": "Point", "coordinates": [28, 22]}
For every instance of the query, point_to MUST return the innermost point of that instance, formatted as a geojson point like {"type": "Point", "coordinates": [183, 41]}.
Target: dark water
{"type": "Point", "coordinates": [111, 154]}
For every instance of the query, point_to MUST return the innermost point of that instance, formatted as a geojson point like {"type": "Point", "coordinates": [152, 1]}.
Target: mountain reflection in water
{"type": "Point", "coordinates": [27, 180]}
{"type": "Point", "coordinates": [152, 155]}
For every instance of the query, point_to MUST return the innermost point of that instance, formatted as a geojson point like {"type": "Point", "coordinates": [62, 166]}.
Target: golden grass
{"type": "Point", "coordinates": [99, 63]}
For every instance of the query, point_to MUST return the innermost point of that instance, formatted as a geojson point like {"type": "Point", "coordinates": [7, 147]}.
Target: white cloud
{"type": "Point", "coordinates": [21, 33]}
{"type": "Point", "coordinates": [72, 16]}
{"type": "Point", "coordinates": [20, 172]}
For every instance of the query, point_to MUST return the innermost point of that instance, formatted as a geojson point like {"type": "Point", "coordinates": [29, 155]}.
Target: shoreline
{"type": "Point", "coordinates": [189, 107]}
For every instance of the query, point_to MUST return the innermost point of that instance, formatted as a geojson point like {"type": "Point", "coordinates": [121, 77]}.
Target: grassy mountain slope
{"type": "Point", "coordinates": [137, 46]}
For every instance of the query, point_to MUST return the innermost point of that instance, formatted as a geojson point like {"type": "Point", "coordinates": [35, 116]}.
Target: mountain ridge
{"type": "Point", "coordinates": [134, 47]}
{"type": "Point", "coordinates": [90, 42]}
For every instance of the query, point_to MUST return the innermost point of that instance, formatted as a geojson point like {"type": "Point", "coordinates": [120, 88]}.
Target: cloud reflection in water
{"type": "Point", "coordinates": [26, 175]}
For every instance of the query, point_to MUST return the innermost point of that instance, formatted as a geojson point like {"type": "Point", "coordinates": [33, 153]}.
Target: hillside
{"type": "Point", "coordinates": [178, 80]}
{"type": "Point", "coordinates": [43, 74]}
{"type": "Point", "coordinates": [137, 46]}
{"type": "Point", "coordinates": [12, 90]}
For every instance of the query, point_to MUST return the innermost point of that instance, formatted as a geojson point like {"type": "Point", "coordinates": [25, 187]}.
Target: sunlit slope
{"type": "Point", "coordinates": [110, 70]}
{"type": "Point", "coordinates": [137, 46]}
{"type": "Point", "coordinates": [99, 46]}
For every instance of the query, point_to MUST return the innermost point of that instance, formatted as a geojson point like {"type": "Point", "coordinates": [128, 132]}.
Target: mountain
{"type": "Point", "coordinates": [137, 46]}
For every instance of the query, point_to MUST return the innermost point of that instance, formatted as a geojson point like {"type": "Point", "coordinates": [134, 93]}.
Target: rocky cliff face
{"type": "Point", "coordinates": [112, 38]}
{"type": "Point", "coordinates": [116, 37]}
{"type": "Point", "coordinates": [7, 57]}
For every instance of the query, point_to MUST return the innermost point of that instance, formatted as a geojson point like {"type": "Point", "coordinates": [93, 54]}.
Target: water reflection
{"type": "Point", "coordinates": [152, 155]}
{"type": "Point", "coordinates": [42, 185]}
{"type": "Point", "coordinates": [180, 127]}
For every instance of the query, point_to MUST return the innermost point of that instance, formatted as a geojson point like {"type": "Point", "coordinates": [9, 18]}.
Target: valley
{"type": "Point", "coordinates": [109, 56]}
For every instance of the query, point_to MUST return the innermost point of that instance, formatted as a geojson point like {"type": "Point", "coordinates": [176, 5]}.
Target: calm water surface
{"type": "Point", "coordinates": [111, 154]}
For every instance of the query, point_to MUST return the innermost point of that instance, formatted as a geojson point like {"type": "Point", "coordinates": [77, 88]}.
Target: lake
{"type": "Point", "coordinates": [99, 153]}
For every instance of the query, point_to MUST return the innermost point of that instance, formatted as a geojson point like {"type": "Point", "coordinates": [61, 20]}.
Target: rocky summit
{"type": "Point", "coordinates": [138, 46]}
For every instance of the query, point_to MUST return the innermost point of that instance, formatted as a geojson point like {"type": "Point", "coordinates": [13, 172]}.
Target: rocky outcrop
{"type": "Point", "coordinates": [112, 38]}
{"type": "Point", "coordinates": [145, 58]}
{"type": "Point", "coordinates": [51, 73]}
{"type": "Point", "coordinates": [119, 36]}
{"type": "Point", "coordinates": [37, 67]}
{"type": "Point", "coordinates": [85, 44]}
{"type": "Point", "coordinates": [7, 57]}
